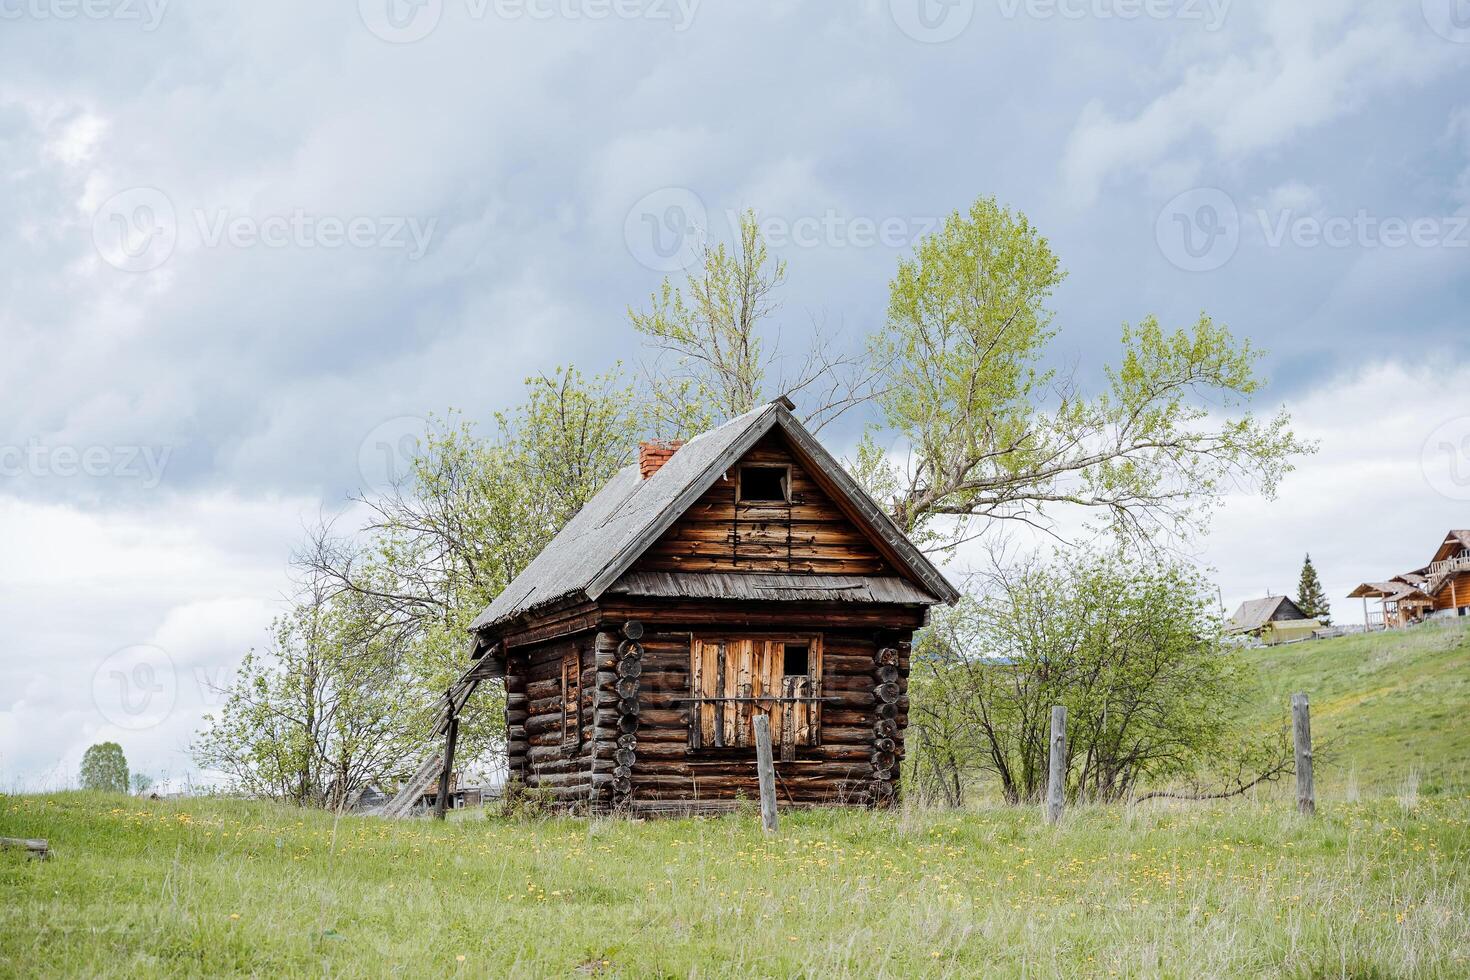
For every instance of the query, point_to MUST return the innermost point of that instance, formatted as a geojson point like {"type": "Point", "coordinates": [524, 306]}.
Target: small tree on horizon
{"type": "Point", "coordinates": [105, 768]}
{"type": "Point", "coordinates": [1310, 597]}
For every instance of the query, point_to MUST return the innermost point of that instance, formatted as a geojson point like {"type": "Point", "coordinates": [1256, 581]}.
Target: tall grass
{"type": "Point", "coordinates": [1244, 888]}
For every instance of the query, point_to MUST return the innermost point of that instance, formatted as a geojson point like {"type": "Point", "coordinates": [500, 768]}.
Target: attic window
{"type": "Point", "coordinates": [764, 484]}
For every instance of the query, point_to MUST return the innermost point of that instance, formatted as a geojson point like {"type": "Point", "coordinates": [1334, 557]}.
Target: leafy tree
{"type": "Point", "coordinates": [1131, 649]}
{"type": "Point", "coordinates": [434, 550]}
{"type": "Point", "coordinates": [105, 768]}
{"type": "Point", "coordinates": [1311, 598]}
{"type": "Point", "coordinates": [984, 431]}
{"type": "Point", "coordinates": [713, 358]}
{"type": "Point", "coordinates": [141, 782]}
{"type": "Point", "coordinates": [327, 710]}
{"type": "Point", "coordinates": [974, 426]}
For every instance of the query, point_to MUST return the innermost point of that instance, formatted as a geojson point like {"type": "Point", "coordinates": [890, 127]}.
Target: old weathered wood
{"type": "Point", "coordinates": [34, 846]}
{"type": "Point", "coordinates": [441, 802]}
{"type": "Point", "coordinates": [1056, 785]}
{"type": "Point", "coordinates": [766, 773]}
{"type": "Point", "coordinates": [1301, 735]}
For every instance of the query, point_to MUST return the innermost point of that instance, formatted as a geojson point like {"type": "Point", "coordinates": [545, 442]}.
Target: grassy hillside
{"type": "Point", "coordinates": [1240, 889]}
{"type": "Point", "coordinates": [1385, 706]}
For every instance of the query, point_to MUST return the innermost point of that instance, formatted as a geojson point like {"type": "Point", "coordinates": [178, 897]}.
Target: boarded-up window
{"type": "Point", "coordinates": [735, 678]}
{"type": "Point", "coordinates": [571, 700]}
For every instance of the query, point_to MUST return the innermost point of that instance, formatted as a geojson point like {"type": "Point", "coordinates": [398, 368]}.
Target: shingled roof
{"type": "Point", "coordinates": [629, 514]}
{"type": "Point", "coordinates": [1256, 613]}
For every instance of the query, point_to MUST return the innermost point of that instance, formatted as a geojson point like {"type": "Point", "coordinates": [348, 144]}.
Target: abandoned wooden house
{"type": "Point", "coordinates": [742, 573]}
{"type": "Point", "coordinates": [1272, 620]}
{"type": "Point", "coordinates": [1440, 588]}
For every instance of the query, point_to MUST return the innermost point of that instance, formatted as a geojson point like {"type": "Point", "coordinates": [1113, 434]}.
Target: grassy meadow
{"type": "Point", "coordinates": [1378, 885]}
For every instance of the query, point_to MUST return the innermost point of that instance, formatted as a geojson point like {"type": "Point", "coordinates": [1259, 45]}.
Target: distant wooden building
{"type": "Point", "coordinates": [1272, 620]}
{"type": "Point", "coordinates": [743, 573]}
{"type": "Point", "coordinates": [1440, 588]}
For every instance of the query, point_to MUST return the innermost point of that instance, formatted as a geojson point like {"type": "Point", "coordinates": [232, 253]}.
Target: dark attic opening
{"type": "Point", "coordinates": [763, 484]}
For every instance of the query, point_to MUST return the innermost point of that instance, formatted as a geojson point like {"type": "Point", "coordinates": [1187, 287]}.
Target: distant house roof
{"type": "Point", "coordinates": [1453, 543]}
{"type": "Point", "coordinates": [626, 516]}
{"type": "Point", "coordinates": [1256, 613]}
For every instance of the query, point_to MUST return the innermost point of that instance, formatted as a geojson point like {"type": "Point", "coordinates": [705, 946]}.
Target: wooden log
{"type": "Point", "coordinates": [886, 674]}
{"type": "Point", "coordinates": [886, 656]}
{"type": "Point", "coordinates": [451, 736]}
{"type": "Point", "coordinates": [34, 846]}
{"type": "Point", "coordinates": [766, 773]}
{"type": "Point", "coordinates": [1057, 771]}
{"type": "Point", "coordinates": [887, 693]}
{"type": "Point", "coordinates": [1301, 735]}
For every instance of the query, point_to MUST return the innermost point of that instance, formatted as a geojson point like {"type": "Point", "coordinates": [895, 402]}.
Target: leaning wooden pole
{"type": "Point", "coordinates": [451, 735]}
{"type": "Point", "coordinates": [766, 768]}
{"type": "Point", "coordinates": [1056, 785]}
{"type": "Point", "coordinates": [1301, 736]}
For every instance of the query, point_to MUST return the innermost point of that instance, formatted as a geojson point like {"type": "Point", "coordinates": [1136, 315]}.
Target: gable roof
{"type": "Point", "coordinates": [1453, 543]}
{"type": "Point", "coordinates": [626, 516]}
{"type": "Point", "coordinates": [1256, 613]}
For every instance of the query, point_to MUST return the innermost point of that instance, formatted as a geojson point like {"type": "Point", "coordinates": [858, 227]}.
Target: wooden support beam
{"type": "Point", "coordinates": [450, 737]}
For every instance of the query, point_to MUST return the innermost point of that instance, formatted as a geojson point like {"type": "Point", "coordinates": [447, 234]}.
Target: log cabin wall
{"type": "Point", "coordinates": [806, 533]}
{"type": "Point", "coordinates": [860, 740]}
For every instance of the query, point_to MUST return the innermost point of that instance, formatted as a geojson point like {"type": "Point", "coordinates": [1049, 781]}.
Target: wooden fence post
{"type": "Point", "coordinates": [1301, 734]}
{"type": "Point", "coordinates": [1057, 779]}
{"type": "Point", "coordinates": [767, 771]}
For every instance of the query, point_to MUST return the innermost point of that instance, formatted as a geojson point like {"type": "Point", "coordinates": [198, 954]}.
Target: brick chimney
{"type": "Point", "coordinates": [654, 454]}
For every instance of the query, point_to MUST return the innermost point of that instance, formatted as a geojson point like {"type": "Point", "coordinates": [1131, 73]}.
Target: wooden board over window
{"type": "Point", "coordinates": [734, 678]}
{"type": "Point", "coordinates": [571, 700]}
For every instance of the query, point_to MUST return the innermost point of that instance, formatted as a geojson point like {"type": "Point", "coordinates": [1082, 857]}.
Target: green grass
{"type": "Point", "coordinates": [216, 887]}
{"type": "Point", "coordinates": [1375, 886]}
{"type": "Point", "coordinates": [1386, 707]}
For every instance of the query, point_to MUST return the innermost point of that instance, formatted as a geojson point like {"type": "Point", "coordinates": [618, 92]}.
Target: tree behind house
{"type": "Point", "coordinates": [105, 768]}
{"type": "Point", "coordinates": [1311, 598]}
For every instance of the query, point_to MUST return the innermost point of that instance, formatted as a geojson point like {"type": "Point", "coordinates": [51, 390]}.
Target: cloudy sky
{"type": "Point", "coordinates": [243, 247]}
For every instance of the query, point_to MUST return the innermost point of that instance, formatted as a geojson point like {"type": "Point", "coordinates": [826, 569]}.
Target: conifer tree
{"type": "Point", "coordinates": [1310, 597]}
